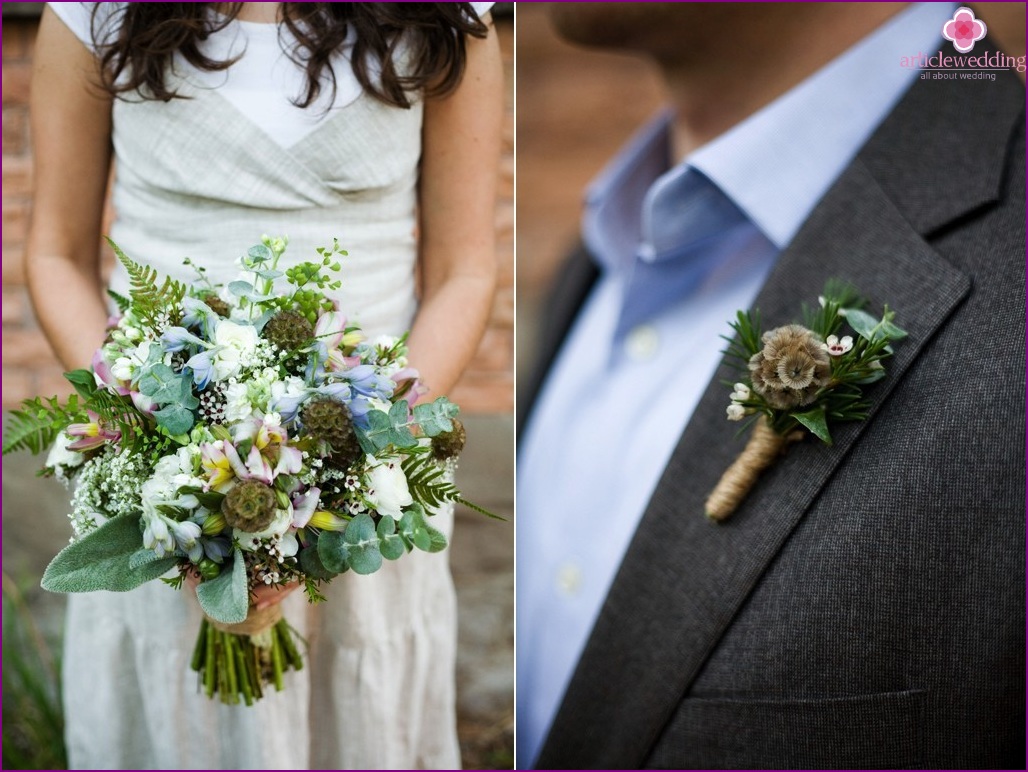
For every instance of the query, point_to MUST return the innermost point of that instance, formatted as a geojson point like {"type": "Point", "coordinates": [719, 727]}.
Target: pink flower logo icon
{"type": "Point", "coordinates": [964, 30]}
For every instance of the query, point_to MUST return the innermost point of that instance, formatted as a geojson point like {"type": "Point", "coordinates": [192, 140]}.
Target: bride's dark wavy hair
{"type": "Point", "coordinates": [149, 34]}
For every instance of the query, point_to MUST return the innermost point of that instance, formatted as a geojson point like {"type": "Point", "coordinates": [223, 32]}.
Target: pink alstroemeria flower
{"type": "Point", "coordinates": [290, 461]}
{"type": "Point", "coordinates": [304, 506]}
{"type": "Point", "coordinates": [256, 467]}
{"type": "Point", "coordinates": [103, 375]}
{"type": "Point", "coordinates": [93, 434]}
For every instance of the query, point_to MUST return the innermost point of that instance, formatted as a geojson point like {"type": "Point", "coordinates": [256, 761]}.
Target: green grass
{"type": "Point", "coordinates": [33, 722]}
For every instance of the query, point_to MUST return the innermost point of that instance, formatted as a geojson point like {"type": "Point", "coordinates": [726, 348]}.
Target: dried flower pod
{"type": "Point", "coordinates": [328, 420]}
{"type": "Point", "coordinates": [216, 304]}
{"type": "Point", "coordinates": [791, 368]}
{"type": "Point", "coordinates": [249, 506]}
{"type": "Point", "coordinates": [450, 444]}
{"type": "Point", "coordinates": [288, 331]}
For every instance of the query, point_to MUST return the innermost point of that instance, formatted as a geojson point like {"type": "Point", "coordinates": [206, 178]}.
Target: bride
{"type": "Point", "coordinates": [375, 123]}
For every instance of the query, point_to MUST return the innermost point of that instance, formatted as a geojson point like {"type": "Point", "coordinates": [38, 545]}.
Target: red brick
{"type": "Point", "coordinates": [15, 220]}
{"type": "Point", "coordinates": [16, 79]}
{"type": "Point", "coordinates": [25, 348]}
{"type": "Point", "coordinates": [15, 36]}
{"type": "Point", "coordinates": [15, 307]}
{"type": "Point", "coordinates": [14, 265]}
{"type": "Point", "coordinates": [17, 177]}
{"type": "Point", "coordinates": [50, 381]}
{"type": "Point", "coordinates": [17, 384]}
{"type": "Point", "coordinates": [16, 131]}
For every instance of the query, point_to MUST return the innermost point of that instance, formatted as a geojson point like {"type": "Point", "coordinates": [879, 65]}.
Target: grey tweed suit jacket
{"type": "Point", "coordinates": [865, 606]}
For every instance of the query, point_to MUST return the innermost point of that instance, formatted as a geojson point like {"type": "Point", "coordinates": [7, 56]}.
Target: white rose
{"type": "Point", "coordinates": [60, 456]}
{"type": "Point", "coordinates": [387, 489]}
{"type": "Point", "coordinates": [233, 341]}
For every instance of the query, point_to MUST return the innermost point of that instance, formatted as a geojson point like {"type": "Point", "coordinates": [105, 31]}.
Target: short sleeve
{"type": "Point", "coordinates": [78, 17]}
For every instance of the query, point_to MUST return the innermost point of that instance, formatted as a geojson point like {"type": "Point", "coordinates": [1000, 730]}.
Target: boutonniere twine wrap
{"type": "Point", "coordinates": [798, 380]}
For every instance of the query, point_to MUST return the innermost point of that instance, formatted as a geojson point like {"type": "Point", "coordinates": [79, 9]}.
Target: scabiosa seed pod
{"type": "Point", "coordinates": [450, 444]}
{"type": "Point", "coordinates": [288, 331]}
{"type": "Point", "coordinates": [249, 506]}
{"type": "Point", "coordinates": [328, 420]}
{"type": "Point", "coordinates": [216, 304]}
{"type": "Point", "coordinates": [791, 368]}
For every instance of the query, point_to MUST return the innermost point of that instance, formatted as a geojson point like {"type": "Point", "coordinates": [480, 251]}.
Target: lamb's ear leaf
{"type": "Point", "coordinates": [102, 560]}
{"type": "Point", "coordinates": [225, 598]}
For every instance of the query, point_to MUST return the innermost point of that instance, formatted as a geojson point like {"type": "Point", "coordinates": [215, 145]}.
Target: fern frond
{"type": "Point", "coordinates": [149, 299]}
{"type": "Point", "coordinates": [35, 426]}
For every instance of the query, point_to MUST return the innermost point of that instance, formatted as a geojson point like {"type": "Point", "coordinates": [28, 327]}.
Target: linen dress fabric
{"type": "Point", "coordinates": [198, 177]}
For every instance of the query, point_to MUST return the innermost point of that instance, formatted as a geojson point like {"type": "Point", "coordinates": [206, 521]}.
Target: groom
{"type": "Point", "coordinates": [864, 607]}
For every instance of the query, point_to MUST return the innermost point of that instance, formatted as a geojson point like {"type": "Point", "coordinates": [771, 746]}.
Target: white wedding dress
{"type": "Point", "coordinates": [204, 177]}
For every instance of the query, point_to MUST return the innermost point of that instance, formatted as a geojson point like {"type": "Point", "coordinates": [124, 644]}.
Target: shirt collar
{"type": "Point", "coordinates": [777, 163]}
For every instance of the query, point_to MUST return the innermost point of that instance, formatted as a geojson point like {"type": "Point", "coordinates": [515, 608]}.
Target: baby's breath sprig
{"type": "Point", "coordinates": [799, 379]}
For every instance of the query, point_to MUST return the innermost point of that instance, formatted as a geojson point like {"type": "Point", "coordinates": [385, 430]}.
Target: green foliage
{"type": "Point", "coordinates": [387, 429]}
{"type": "Point", "coordinates": [149, 300]}
{"type": "Point", "coordinates": [121, 301]}
{"type": "Point", "coordinates": [427, 482]}
{"type": "Point", "coordinates": [333, 552]}
{"type": "Point", "coordinates": [103, 560]}
{"type": "Point", "coordinates": [226, 598]}
{"type": "Point", "coordinates": [434, 417]}
{"type": "Point", "coordinates": [35, 426]}
{"type": "Point", "coordinates": [362, 545]}
{"type": "Point", "coordinates": [33, 732]}
{"type": "Point", "coordinates": [746, 341]}
{"type": "Point", "coordinates": [310, 587]}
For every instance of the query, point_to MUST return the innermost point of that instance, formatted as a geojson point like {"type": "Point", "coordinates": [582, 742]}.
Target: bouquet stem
{"type": "Point", "coordinates": [764, 446]}
{"type": "Point", "coordinates": [236, 662]}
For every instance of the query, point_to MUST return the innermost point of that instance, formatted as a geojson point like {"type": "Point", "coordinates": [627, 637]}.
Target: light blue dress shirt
{"type": "Point", "coordinates": [680, 251]}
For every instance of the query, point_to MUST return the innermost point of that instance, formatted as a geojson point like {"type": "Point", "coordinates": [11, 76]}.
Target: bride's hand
{"type": "Point", "coordinates": [261, 598]}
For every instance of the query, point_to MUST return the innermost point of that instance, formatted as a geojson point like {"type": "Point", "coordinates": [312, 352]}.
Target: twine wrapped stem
{"type": "Point", "coordinates": [256, 622]}
{"type": "Point", "coordinates": [763, 447]}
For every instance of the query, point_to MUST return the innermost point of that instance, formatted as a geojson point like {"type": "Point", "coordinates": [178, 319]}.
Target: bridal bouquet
{"type": "Point", "coordinates": [239, 436]}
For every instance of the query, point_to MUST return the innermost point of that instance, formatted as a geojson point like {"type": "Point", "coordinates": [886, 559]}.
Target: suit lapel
{"type": "Point", "coordinates": [683, 579]}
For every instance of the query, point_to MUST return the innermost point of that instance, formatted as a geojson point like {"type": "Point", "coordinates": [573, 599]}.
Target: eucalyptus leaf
{"type": "Point", "coordinates": [816, 421]}
{"type": "Point", "coordinates": [389, 542]}
{"type": "Point", "coordinates": [413, 528]}
{"type": "Point", "coordinates": [362, 544]}
{"type": "Point", "coordinates": [310, 564]}
{"type": "Point", "coordinates": [434, 417]}
{"type": "Point", "coordinates": [226, 598]}
{"type": "Point", "coordinates": [259, 253]}
{"type": "Point", "coordinates": [175, 418]}
{"type": "Point", "coordinates": [436, 539]}
{"type": "Point", "coordinates": [101, 560]}
{"type": "Point", "coordinates": [240, 288]}
{"type": "Point", "coordinates": [384, 431]}
{"type": "Point", "coordinates": [161, 384]}
{"type": "Point", "coordinates": [333, 552]}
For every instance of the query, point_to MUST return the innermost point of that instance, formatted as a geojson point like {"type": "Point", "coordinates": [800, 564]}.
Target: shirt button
{"type": "Point", "coordinates": [569, 579]}
{"type": "Point", "coordinates": [642, 343]}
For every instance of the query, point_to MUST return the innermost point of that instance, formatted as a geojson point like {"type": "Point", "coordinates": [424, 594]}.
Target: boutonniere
{"type": "Point", "coordinates": [800, 379]}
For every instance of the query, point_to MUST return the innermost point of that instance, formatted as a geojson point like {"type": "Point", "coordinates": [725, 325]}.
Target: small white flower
{"type": "Point", "coordinates": [388, 492]}
{"type": "Point", "coordinates": [237, 403]}
{"type": "Point", "coordinates": [741, 393]}
{"type": "Point", "coordinates": [60, 458]}
{"type": "Point", "coordinates": [836, 347]}
{"type": "Point", "coordinates": [234, 341]}
{"type": "Point", "coordinates": [736, 412]}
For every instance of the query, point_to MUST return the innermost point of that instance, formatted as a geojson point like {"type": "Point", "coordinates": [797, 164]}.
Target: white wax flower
{"type": "Point", "coordinates": [736, 412]}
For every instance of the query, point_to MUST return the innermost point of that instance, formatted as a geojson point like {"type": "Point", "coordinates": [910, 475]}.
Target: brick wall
{"type": "Point", "coordinates": [29, 368]}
